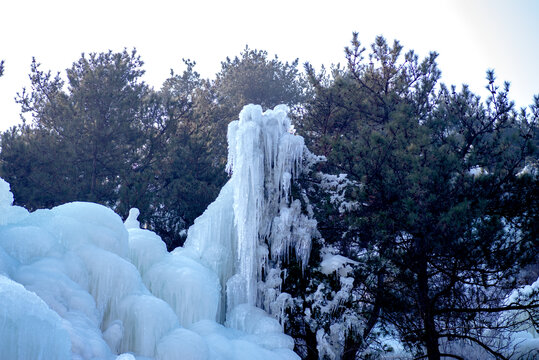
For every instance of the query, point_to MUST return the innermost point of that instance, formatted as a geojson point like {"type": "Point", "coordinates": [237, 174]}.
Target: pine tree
{"type": "Point", "coordinates": [436, 214]}
{"type": "Point", "coordinates": [189, 172]}
{"type": "Point", "coordinates": [88, 138]}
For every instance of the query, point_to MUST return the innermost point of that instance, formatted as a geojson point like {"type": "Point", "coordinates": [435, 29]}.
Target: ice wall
{"type": "Point", "coordinates": [78, 283]}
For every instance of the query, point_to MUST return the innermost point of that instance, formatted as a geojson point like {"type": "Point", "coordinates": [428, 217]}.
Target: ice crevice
{"type": "Point", "coordinates": [78, 283]}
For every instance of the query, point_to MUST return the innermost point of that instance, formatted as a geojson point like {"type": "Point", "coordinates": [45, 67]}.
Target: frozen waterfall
{"type": "Point", "coordinates": [78, 283]}
{"type": "Point", "coordinates": [249, 218]}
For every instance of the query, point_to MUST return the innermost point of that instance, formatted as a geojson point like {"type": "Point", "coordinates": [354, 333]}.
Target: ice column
{"type": "Point", "coordinates": [263, 156]}
{"type": "Point", "coordinates": [240, 230]}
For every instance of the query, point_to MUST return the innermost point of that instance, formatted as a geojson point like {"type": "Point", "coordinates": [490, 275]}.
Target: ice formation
{"type": "Point", "coordinates": [78, 283]}
{"type": "Point", "coordinates": [254, 218]}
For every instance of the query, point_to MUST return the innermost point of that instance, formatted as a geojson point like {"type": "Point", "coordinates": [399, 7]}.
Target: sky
{"type": "Point", "coordinates": [470, 36]}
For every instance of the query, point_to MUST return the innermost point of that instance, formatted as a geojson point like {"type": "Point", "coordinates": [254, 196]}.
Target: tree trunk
{"type": "Point", "coordinates": [353, 344]}
{"type": "Point", "coordinates": [425, 306]}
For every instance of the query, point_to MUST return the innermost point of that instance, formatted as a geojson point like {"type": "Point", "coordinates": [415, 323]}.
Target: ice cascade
{"type": "Point", "coordinates": [78, 283]}
{"type": "Point", "coordinates": [254, 218]}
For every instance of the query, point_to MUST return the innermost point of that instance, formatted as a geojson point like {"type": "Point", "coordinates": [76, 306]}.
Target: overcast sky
{"type": "Point", "coordinates": [471, 36]}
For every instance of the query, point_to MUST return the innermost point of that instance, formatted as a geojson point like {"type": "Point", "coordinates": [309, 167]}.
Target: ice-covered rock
{"type": "Point", "coordinates": [191, 289]}
{"type": "Point", "coordinates": [6, 197]}
{"type": "Point", "coordinates": [145, 249]}
{"type": "Point", "coordinates": [9, 213]}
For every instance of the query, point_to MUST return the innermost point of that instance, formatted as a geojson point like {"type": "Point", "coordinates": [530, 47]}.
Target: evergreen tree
{"type": "Point", "coordinates": [434, 209]}
{"type": "Point", "coordinates": [189, 172]}
{"type": "Point", "coordinates": [88, 139]}
{"type": "Point", "coordinates": [111, 139]}
{"type": "Point", "coordinates": [252, 78]}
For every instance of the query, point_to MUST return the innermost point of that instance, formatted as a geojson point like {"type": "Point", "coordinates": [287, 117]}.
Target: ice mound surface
{"type": "Point", "coordinates": [78, 283]}
{"type": "Point", "coordinates": [71, 288]}
{"type": "Point", "coordinates": [29, 329]}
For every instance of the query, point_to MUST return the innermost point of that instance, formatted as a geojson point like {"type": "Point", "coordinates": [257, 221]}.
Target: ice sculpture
{"type": "Point", "coordinates": [78, 283]}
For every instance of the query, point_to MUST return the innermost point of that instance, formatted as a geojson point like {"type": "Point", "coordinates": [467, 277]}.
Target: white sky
{"type": "Point", "coordinates": [471, 36]}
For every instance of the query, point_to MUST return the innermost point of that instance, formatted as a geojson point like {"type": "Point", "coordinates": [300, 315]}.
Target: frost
{"type": "Point", "coordinates": [477, 171]}
{"type": "Point", "coordinates": [531, 169]}
{"type": "Point", "coordinates": [336, 186]}
{"type": "Point", "coordinates": [526, 293]}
